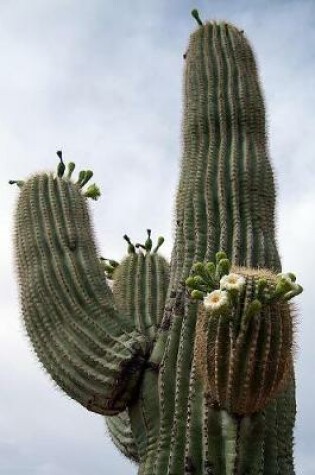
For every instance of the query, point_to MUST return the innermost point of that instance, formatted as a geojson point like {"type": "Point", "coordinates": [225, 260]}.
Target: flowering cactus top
{"type": "Point", "coordinates": [220, 288]}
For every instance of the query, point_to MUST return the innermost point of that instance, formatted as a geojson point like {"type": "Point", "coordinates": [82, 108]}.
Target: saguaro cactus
{"type": "Point", "coordinates": [191, 366]}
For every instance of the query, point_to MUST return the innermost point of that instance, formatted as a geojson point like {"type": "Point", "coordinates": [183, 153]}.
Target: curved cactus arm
{"type": "Point", "coordinates": [91, 351]}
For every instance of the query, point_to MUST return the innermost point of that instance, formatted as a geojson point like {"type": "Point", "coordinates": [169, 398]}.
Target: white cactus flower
{"type": "Point", "coordinates": [232, 282]}
{"type": "Point", "coordinates": [216, 300]}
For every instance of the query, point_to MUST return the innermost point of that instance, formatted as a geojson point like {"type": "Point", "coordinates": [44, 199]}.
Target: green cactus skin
{"type": "Point", "coordinates": [225, 200]}
{"type": "Point", "coordinates": [140, 286]}
{"type": "Point", "coordinates": [113, 361]}
{"type": "Point", "coordinates": [120, 432]}
{"type": "Point", "coordinates": [91, 352]}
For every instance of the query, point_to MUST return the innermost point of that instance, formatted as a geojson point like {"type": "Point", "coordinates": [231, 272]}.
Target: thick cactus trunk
{"type": "Point", "coordinates": [225, 201]}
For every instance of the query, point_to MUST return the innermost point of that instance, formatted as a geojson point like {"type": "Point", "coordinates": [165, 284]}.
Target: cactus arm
{"type": "Point", "coordinates": [90, 350]}
{"type": "Point", "coordinates": [140, 284]}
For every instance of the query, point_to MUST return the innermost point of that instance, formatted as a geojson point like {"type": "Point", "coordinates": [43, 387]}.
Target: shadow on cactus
{"type": "Point", "coordinates": [191, 364]}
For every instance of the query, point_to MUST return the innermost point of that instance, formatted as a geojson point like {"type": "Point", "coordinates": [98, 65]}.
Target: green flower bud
{"type": "Point", "coordinates": [198, 280]}
{"type": "Point", "coordinates": [108, 268]}
{"type": "Point", "coordinates": [196, 16]}
{"type": "Point", "coordinates": [81, 177]}
{"type": "Point", "coordinates": [113, 263]}
{"type": "Point", "coordinates": [159, 243]}
{"type": "Point", "coordinates": [210, 269]}
{"type": "Point", "coordinates": [93, 192]}
{"type": "Point", "coordinates": [71, 167]}
{"type": "Point", "coordinates": [131, 247]}
{"type": "Point", "coordinates": [61, 166]}
{"type": "Point", "coordinates": [19, 183]}
{"type": "Point", "coordinates": [190, 282]}
{"type": "Point", "coordinates": [220, 255]}
{"type": "Point", "coordinates": [197, 295]}
{"type": "Point", "coordinates": [283, 285]}
{"type": "Point", "coordinates": [223, 267]}
{"type": "Point", "coordinates": [298, 289]}
{"type": "Point", "coordinates": [87, 177]}
{"type": "Point", "coordinates": [198, 267]}
{"type": "Point", "coordinates": [148, 242]}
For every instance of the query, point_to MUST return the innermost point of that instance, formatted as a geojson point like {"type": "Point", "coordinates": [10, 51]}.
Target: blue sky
{"type": "Point", "coordinates": [103, 82]}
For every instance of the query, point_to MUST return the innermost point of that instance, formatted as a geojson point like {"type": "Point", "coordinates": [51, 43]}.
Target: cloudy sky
{"type": "Point", "coordinates": [102, 81]}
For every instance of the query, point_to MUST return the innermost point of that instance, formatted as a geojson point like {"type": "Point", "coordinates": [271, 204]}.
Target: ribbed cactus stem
{"type": "Point", "coordinates": [140, 287]}
{"type": "Point", "coordinates": [226, 195]}
{"type": "Point", "coordinates": [87, 347]}
{"type": "Point", "coordinates": [71, 167]}
{"type": "Point", "coordinates": [225, 202]}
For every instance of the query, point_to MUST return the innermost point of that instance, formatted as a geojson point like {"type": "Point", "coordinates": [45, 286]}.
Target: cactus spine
{"type": "Point", "coordinates": [193, 371]}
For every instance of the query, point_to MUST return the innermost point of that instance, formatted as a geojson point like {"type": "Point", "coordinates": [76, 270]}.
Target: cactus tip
{"type": "Point", "coordinates": [196, 16]}
{"type": "Point", "coordinates": [61, 166]}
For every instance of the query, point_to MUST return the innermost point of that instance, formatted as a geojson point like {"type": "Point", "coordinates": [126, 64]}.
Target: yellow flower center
{"type": "Point", "coordinates": [215, 298]}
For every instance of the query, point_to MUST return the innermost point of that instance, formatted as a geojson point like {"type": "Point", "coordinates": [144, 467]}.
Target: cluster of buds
{"type": "Point", "coordinates": [109, 266]}
{"type": "Point", "coordinates": [65, 171]}
{"type": "Point", "coordinates": [215, 284]}
{"type": "Point", "coordinates": [220, 289]}
{"type": "Point", "coordinates": [84, 177]}
{"type": "Point", "coordinates": [146, 247]}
